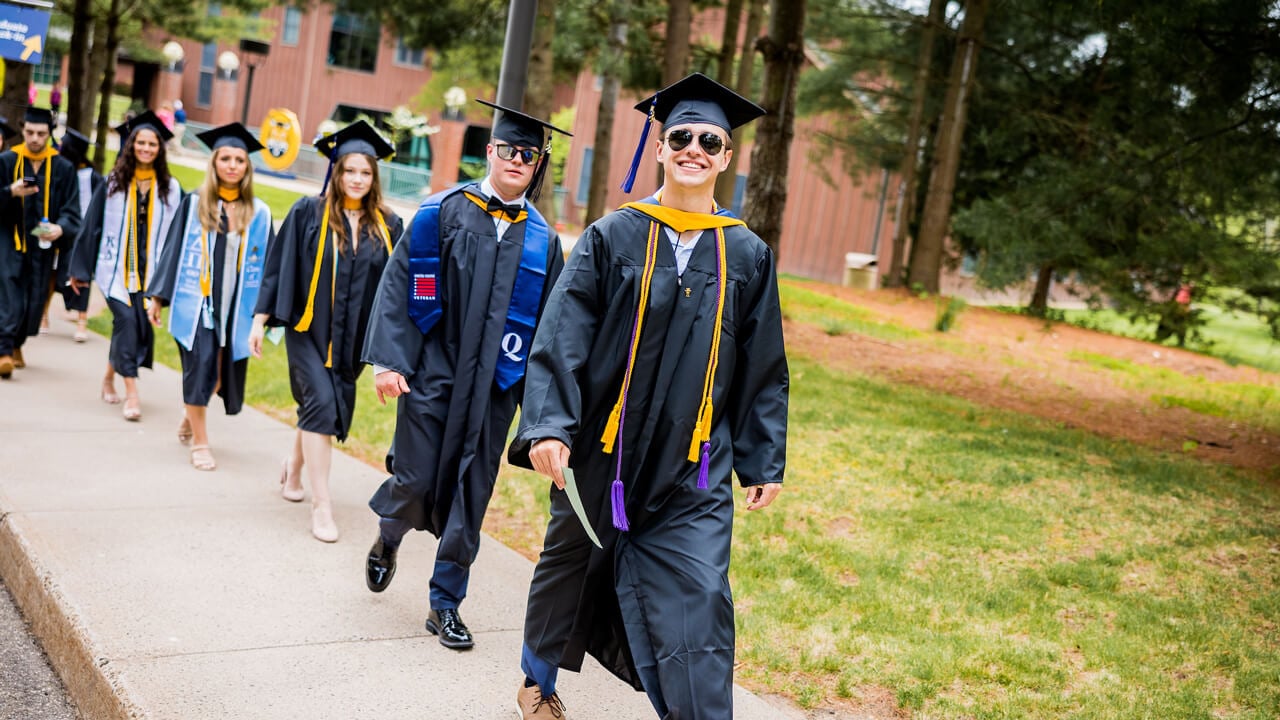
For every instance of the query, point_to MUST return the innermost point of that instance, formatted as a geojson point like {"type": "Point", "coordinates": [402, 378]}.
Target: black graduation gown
{"type": "Point", "coordinates": [73, 301]}
{"type": "Point", "coordinates": [654, 607]}
{"type": "Point", "coordinates": [325, 396]}
{"type": "Point", "coordinates": [452, 426]}
{"type": "Point", "coordinates": [208, 364]}
{"type": "Point", "coordinates": [25, 276]}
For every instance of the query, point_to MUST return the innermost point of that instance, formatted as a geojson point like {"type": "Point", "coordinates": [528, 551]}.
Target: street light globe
{"type": "Point", "coordinates": [228, 62]}
{"type": "Point", "coordinates": [454, 98]}
{"type": "Point", "coordinates": [173, 52]}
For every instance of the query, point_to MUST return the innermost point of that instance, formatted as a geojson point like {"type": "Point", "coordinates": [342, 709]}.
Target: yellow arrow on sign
{"type": "Point", "coordinates": [32, 45]}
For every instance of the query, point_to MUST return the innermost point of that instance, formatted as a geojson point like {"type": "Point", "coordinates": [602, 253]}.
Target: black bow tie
{"type": "Point", "coordinates": [512, 211]}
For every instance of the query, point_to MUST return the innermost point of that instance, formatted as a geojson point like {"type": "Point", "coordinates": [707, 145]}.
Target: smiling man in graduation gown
{"type": "Point", "coordinates": [39, 214]}
{"type": "Point", "coordinates": [657, 372]}
{"type": "Point", "coordinates": [449, 336]}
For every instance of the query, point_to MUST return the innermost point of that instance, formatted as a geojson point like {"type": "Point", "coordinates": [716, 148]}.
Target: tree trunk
{"type": "Point", "coordinates": [729, 43]}
{"type": "Point", "coordinates": [783, 52]}
{"type": "Point", "coordinates": [908, 171]}
{"type": "Point", "coordinates": [93, 77]}
{"type": "Point", "coordinates": [1040, 298]}
{"type": "Point", "coordinates": [539, 100]}
{"type": "Point", "coordinates": [111, 44]}
{"type": "Point", "coordinates": [13, 101]}
{"type": "Point", "coordinates": [728, 180]}
{"type": "Point", "coordinates": [675, 58]}
{"type": "Point", "coordinates": [611, 62]}
{"type": "Point", "coordinates": [78, 66]}
{"type": "Point", "coordinates": [926, 260]}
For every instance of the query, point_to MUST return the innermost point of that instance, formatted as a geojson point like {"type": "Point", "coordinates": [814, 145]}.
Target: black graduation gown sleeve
{"type": "Point", "coordinates": [392, 340]}
{"type": "Point", "coordinates": [759, 391]}
{"type": "Point", "coordinates": [64, 208]}
{"type": "Point", "coordinates": [84, 255]}
{"type": "Point", "coordinates": [281, 273]}
{"type": "Point", "coordinates": [165, 270]}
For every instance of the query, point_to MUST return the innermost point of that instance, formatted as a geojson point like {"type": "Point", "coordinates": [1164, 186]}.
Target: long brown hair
{"type": "Point", "coordinates": [127, 164]}
{"type": "Point", "coordinates": [370, 203]}
{"type": "Point", "coordinates": [210, 218]}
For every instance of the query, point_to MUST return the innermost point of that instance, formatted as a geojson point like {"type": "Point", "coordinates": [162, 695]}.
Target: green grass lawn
{"type": "Point", "coordinates": [1238, 338]}
{"type": "Point", "coordinates": [975, 563]}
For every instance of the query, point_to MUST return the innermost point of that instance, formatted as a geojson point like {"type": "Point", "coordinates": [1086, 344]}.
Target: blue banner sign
{"type": "Point", "coordinates": [23, 32]}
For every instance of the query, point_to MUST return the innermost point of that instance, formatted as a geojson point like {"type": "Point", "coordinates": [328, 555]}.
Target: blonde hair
{"type": "Point", "coordinates": [370, 203]}
{"type": "Point", "coordinates": [210, 218]}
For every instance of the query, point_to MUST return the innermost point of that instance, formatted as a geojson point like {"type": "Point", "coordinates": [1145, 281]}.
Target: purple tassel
{"type": "Point", "coordinates": [630, 180]}
{"type": "Point", "coordinates": [619, 508]}
{"type": "Point", "coordinates": [706, 464]}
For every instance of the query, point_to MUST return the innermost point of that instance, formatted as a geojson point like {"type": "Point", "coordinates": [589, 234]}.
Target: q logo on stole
{"type": "Point", "coordinates": [282, 137]}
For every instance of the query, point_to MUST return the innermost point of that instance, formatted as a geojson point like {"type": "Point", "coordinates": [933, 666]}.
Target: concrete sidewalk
{"type": "Point", "coordinates": [162, 592]}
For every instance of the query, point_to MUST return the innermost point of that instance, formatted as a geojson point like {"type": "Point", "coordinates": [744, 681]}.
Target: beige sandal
{"type": "Point", "coordinates": [132, 413]}
{"type": "Point", "coordinates": [184, 431]}
{"type": "Point", "coordinates": [109, 395]}
{"type": "Point", "coordinates": [285, 492]}
{"type": "Point", "coordinates": [202, 458]}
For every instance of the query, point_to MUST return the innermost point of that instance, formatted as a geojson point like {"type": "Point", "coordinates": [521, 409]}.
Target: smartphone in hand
{"type": "Point", "coordinates": [29, 181]}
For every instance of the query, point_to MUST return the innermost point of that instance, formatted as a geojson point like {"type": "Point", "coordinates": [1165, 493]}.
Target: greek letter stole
{"type": "Point", "coordinates": [522, 313]}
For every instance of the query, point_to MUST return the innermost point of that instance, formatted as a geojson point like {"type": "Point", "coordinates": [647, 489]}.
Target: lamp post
{"type": "Point", "coordinates": [255, 54]}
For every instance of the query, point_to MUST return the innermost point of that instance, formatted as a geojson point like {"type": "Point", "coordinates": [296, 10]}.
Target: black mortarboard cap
{"type": "Point", "coordinates": [146, 119]}
{"type": "Point", "coordinates": [38, 115]}
{"type": "Point", "coordinates": [694, 99]}
{"type": "Point", "coordinates": [230, 135]}
{"type": "Point", "coordinates": [358, 137]}
{"type": "Point", "coordinates": [519, 129]}
{"type": "Point", "coordinates": [74, 147]}
{"type": "Point", "coordinates": [699, 99]}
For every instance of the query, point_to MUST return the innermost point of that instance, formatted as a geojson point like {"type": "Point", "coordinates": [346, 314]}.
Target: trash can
{"type": "Point", "coordinates": [860, 271]}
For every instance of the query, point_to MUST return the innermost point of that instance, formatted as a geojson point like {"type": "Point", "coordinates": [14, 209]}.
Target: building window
{"type": "Point", "coordinates": [208, 66]}
{"type": "Point", "coordinates": [49, 71]}
{"type": "Point", "coordinates": [353, 42]}
{"type": "Point", "coordinates": [292, 26]}
{"type": "Point", "coordinates": [584, 178]}
{"type": "Point", "coordinates": [406, 55]}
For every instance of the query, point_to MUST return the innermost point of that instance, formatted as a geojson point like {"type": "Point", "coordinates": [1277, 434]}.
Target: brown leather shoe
{"type": "Point", "coordinates": [18, 362]}
{"type": "Point", "coordinates": [6, 366]}
{"type": "Point", "coordinates": [535, 707]}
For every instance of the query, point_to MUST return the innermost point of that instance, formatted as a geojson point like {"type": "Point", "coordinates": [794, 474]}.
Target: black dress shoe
{"type": "Point", "coordinates": [448, 625]}
{"type": "Point", "coordinates": [380, 567]}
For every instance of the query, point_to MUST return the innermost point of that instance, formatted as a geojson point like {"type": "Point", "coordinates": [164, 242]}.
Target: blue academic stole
{"type": "Point", "coordinates": [188, 303]}
{"type": "Point", "coordinates": [526, 295]}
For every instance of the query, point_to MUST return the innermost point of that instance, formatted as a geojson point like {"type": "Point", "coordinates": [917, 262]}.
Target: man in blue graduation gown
{"type": "Point", "coordinates": [658, 371]}
{"type": "Point", "coordinates": [39, 214]}
{"type": "Point", "coordinates": [449, 336]}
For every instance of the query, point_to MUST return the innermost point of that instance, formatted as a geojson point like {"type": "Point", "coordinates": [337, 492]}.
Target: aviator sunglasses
{"type": "Point", "coordinates": [508, 152]}
{"type": "Point", "coordinates": [678, 140]}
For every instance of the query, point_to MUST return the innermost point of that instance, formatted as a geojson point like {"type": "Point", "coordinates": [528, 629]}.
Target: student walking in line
{"type": "Point", "coordinates": [209, 274]}
{"type": "Point", "coordinates": [125, 229]}
{"type": "Point", "coordinates": [450, 330]}
{"type": "Point", "coordinates": [39, 215]}
{"type": "Point", "coordinates": [658, 374]}
{"type": "Point", "coordinates": [319, 282]}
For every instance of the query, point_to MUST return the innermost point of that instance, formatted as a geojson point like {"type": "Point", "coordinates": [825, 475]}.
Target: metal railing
{"type": "Point", "coordinates": [401, 182]}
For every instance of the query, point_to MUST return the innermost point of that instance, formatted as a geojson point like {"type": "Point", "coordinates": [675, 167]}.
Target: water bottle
{"type": "Point", "coordinates": [45, 242]}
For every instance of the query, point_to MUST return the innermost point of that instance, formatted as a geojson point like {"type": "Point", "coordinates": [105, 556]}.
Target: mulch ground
{"type": "Point", "coordinates": [1025, 365]}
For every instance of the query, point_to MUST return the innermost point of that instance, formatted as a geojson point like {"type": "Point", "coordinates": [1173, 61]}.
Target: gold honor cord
{"type": "Point", "coordinates": [702, 430]}
{"type": "Point", "coordinates": [20, 239]}
{"type": "Point", "coordinates": [646, 280]}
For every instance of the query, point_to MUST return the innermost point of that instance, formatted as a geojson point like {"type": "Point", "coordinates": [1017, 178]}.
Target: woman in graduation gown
{"type": "Point", "coordinates": [321, 276]}
{"type": "Point", "coordinates": [209, 275]}
{"type": "Point", "coordinates": [123, 234]}
{"type": "Point", "coordinates": [75, 148]}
